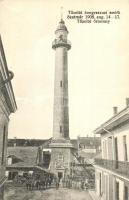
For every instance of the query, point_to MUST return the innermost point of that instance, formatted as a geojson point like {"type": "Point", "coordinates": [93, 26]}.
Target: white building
{"type": "Point", "coordinates": [7, 107]}
{"type": "Point", "coordinates": [112, 171]}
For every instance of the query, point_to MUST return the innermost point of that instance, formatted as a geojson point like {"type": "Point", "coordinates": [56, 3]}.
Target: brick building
{"type": "Point", "coordinates": [7, 106]}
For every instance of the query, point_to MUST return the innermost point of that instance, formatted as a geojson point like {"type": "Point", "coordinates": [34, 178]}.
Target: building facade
{"type": "Point", "coordinates": [112, 170]}
{"type": "Point", "coordinates": [61, 146]}
{"type": "Point", "coordinates": [7, 106]}
{"type": "Point", "coordinates": [22, 161]}
{"type": "Point", "coordinates": [89, 148]}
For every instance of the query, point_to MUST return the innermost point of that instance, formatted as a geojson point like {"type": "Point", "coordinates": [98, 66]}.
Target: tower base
{"type": "Point", "coordinates": [61, 158]}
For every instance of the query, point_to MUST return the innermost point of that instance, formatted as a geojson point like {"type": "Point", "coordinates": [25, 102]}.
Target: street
{"type": "Point", "coordinates": [20, 193]}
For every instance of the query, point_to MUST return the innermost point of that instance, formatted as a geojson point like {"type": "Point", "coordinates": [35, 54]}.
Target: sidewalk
{"type": "Point", "coordinates": [93, 195]}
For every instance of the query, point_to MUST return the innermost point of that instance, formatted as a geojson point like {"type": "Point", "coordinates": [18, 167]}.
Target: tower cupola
{"type": "Point", "coordinates": [61, 36]}
{"type": "Point", "coordinates": [61, 26]}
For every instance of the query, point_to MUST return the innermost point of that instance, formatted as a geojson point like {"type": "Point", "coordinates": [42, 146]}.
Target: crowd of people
{"type": "Point", "coordinates": [45, 181]}
{"type": "Point", "coordinates": [35, 181]}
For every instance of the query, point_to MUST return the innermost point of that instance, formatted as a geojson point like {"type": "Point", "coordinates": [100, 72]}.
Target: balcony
{"type": "Point", "coordinates": [61, 43]}
{"type": "Point", "coordinates": [119, 167]}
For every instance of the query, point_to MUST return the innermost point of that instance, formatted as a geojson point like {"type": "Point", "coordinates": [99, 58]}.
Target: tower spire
{"type": "Point", "coordinates": [61, 13]}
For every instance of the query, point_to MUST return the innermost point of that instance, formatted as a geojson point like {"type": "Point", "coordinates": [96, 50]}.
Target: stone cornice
{"type": "Point", "coordinates": [7, 90]}
{"type": "Point", "coordinates": [61, 145]}
{"type": "Point", "coordinates": [121, 118]}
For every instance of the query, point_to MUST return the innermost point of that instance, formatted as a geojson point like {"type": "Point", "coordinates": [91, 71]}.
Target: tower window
{"type": "Point", "coordinates": [60, 129]}
{"type": "Point", "coordinates": [60, 83]}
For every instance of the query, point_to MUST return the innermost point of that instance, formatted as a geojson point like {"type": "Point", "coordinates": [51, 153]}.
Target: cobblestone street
{"type": "Point", "coordinates": [20, 193]}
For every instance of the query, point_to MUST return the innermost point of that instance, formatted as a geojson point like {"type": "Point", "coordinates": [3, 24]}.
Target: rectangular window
{"type": "Point", "coordinates": [103, 150]}
{"type": "Point", "coordinates": [60, 83]}
{"type": "Point", "coordinates": [117, 191]}
{"type": "Point", "coordinates": [125, 148]}
{"type": "Point", "coordinates": [116, 148]}
{"type": "Point", "coordinates": [116, 152]}
{"type": "Point", "coordinates": [100, 183]}
{"type": "Point", "coordinates": [3, 147]}
{"type": "Point", "coordinates": [107, 187]}
{"type": "Point", "coordinates": [109, 140]}
{"type": "Point", "coordinates": [126, 194]}
{"type": "Point", "coordinates": [60, 129]}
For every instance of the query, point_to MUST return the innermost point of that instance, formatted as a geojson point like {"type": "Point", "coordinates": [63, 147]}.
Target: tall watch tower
{"type": "Point", "coordinates": [61, 146]}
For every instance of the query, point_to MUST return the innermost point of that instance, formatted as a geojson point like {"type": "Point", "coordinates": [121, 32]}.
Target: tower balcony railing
{"type": "Point", "coordinates": [119, 167]}
{"type": "Point", "coordinates": [59, 43]}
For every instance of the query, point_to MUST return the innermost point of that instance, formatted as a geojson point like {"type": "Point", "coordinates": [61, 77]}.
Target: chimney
{"type": "Point", "coordinates": [115, 110]}
{"type": "Point", "coordinates": [127, 102]}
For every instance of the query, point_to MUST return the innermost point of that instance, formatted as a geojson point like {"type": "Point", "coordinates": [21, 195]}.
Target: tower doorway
{"type": "Point", "coordinates": [60, 175]}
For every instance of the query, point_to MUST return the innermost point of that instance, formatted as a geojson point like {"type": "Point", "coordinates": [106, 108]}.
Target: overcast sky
{"type": "Point", "coordinates": [98, 64]}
